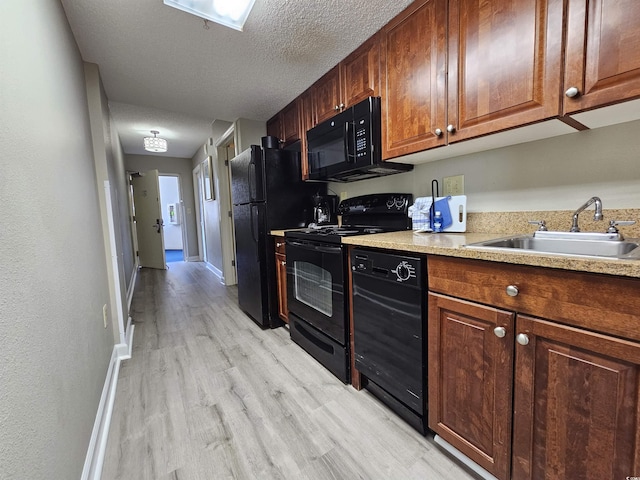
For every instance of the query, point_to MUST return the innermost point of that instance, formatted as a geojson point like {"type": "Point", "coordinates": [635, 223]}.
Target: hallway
{"type": "Point", "coordinates": [209, 395]}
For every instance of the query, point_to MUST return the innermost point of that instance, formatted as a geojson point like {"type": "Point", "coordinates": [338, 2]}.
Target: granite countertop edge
{"type": "Point", "coordinates": [452, 245]}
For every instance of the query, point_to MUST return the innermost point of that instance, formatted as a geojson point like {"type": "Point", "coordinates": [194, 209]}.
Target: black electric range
{"type": "Point", "coordinates": [367, 214]}
{"type": "Point", "coordinates": [316, 272]}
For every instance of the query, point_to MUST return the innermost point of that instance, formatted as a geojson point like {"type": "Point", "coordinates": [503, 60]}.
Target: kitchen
{"type": "Point", "coordinates": [545, 175]}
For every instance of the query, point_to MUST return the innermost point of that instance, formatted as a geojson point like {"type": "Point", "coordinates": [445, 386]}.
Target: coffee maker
{"type": "Point", "coordinates": [324, 209]}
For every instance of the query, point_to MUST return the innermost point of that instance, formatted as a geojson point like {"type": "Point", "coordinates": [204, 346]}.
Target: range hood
{"type": "Point", "coordinates": [370, 171]}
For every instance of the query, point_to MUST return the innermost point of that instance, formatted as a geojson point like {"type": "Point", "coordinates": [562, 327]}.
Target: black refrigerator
{"type": "Point", "coordinates": [267, 194]}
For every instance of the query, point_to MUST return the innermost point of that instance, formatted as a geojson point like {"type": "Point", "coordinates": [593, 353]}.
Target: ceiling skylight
{"type": "Point", "coordinates": [230, 13]}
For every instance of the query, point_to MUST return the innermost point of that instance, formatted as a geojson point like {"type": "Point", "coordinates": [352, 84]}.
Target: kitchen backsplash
{"type": "Point", "coordinates": [508, 223]}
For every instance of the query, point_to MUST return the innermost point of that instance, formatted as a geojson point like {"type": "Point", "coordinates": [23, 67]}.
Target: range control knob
{"type": "Point", "coordinates": [404, 271]}
{"type": "Point", "coordinates": [390, 202]}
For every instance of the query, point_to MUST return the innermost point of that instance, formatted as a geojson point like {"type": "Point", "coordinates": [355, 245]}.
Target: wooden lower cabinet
{"type": "Point", "coordinates": [574, 376]}
{"type": "Point", "coordinates": [576, 406]}
{"type": "Point", "coordinates": [470, 380]}
{"type": "Point", "coordinates": [281, 279]}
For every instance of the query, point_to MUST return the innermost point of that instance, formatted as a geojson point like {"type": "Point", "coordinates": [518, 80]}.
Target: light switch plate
{"type": "Point", "coordinates": [453, 185]}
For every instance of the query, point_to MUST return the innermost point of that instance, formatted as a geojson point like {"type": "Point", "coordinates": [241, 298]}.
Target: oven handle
{"type": "Point", "coordinates": [316, 248]}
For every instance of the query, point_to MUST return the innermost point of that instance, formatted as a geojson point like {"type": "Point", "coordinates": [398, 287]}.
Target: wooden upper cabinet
{"type": "Point", "coordinates": [360, 73]}
{"type": "Point", "coordinates": [413, 79]}
{"type": "Point", "coordinates": [470, 380]}
{"type": "Point", "coordinates": [326, 95]}
{"type": "Point", "coordinates": [602, 53]}
{"type": "Point", "coordinates": [307, 121]}
{"type": "Point", "coordinates": [291, 122]}
{"type": "Point", "coordinates": [505, 64]}
{"type": "Point", "coordinates": [274, 126]}
{"type": "Point", "coordinates": [286, 124]}
{"type": "Point", "coordinates": [352, 80]}
{"type": "Point", "coordinates": [576, 406]}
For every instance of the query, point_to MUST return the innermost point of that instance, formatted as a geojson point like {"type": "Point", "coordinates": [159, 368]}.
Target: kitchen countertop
{"type": "Point", "coordinates": [451, 244]}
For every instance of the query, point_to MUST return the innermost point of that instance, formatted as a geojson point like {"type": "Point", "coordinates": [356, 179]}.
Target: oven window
{"type": "Point", "coordinates": [313, 287]}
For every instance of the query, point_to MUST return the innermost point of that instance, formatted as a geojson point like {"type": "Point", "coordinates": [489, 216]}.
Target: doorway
{"type": "Point", "coordinates": [173, 215]}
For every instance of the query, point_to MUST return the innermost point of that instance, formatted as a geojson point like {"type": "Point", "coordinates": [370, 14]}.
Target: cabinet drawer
{"type": "Point", "coordinates": [597, 302]}
{"type": "Point", "coordinates": [279, 243]}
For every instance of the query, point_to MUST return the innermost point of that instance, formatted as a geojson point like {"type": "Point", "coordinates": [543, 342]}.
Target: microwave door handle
{"type": "Point", "coordinates": [349, 142]}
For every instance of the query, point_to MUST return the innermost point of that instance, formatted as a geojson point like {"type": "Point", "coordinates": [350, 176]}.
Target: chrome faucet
{"type": "Point", "coordinates": [596, 216]}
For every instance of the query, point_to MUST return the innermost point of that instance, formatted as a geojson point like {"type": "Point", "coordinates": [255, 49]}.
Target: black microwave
{"type": "Point", "coordinates": [348, 147]}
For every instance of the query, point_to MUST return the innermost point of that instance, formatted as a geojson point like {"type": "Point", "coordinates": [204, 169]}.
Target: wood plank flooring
{"type": "Point", "coordinates": [209, 395]}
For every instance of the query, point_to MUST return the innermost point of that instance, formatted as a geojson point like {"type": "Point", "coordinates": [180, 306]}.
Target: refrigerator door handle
{"type": "Point", "coordinates": [254, 235]}
{"type": "Point", "coordinates": [251, 166]}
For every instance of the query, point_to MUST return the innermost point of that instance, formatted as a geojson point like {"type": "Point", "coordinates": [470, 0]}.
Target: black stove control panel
{"type": "Point", "coordinates": [379, 203]}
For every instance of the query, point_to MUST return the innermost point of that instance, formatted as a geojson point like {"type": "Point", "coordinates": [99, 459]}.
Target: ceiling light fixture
{"type": "Point", "coordinates": [230, 13]}
{"type": "Point", "coordinates": [155, 144]}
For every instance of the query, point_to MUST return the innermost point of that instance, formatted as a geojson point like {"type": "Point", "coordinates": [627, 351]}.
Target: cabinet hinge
{"type": "Point", "coordinates": [233, 263]}
{"type": "Point", "coordinates": [230, 214]}
{"type": "Point", "coordinates": [226, 163]}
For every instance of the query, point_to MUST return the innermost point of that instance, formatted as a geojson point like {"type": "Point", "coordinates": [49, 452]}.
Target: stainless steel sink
{"type": "Point", "coordinates": [605, 245]}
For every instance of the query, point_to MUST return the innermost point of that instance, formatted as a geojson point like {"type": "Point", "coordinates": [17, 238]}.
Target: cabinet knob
{"type": "Point", "coordinates": [512, 291]}
{"type": "Point", "coordinates": [438, 132]}
{"type": "Point", "coordinates": [500, 332]}
{"type": "Point", "coordinates": [279, 244]}
{"type": "Point", "coordinates": [572, 92]}
{"type": "Point", "coordinates": [341, 106]}
{"type": "Point", "coordinates": [522, 339]}
{"type": "Point", "coordinates": [451, 128]}
{"type": "Point", "coordinates": [336, 108]}
{"type": "Point", "coordinates": [283, 263]}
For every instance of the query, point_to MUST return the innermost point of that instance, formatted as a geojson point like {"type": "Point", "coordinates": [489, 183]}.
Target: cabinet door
{"type": "Point", "coordinates": [307, 121]}
{"type": "Point", "coordinates": [326, 95]}
{"type": "Point", "coordinates": [360, 72]}
{"type": "Point", "coordinates": [281, 280]}
{"type": "Point", "coordinates": [576, 406]}
{"type": "Point", "coordinates": [504, 64]}
{"type": "Point", "coordinates": [603, 53]}
{"type": "Point", "coordinates": [470, 379]}
{"type": "Point", "coordinates": [413, 79]}
{"type": "Point", "coordinates": [274, 127]}
{"type": "Point", "coordinates": [291, 123]}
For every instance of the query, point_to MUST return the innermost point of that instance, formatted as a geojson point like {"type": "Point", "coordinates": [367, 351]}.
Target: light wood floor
{"type": "Point", "coordinates": [209, 395]}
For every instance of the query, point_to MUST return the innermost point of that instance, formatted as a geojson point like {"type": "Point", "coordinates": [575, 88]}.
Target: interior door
{"type": "Point", "coordinates": [146, 198]}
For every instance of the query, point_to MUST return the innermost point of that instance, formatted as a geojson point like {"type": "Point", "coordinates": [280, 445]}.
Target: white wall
{"type": "Point", "coordinates": [170, 194]}
{"type": "Point", "coordinates": [54, 349]}
{"type": "Point", "coordinates": [559, 173]}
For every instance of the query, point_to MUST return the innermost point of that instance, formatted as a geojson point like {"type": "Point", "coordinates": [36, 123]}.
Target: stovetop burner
{"type": "Point", "coordinates": [363, 215]}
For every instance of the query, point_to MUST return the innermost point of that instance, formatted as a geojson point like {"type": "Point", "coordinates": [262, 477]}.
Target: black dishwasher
{"type": "Point", "coordinates": [389, 307]}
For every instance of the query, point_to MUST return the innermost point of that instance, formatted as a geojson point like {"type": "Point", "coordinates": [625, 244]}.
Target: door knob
{"type": "Point", "coordinates": [572, 92]}
{"type": "Point", "coordinates": [522, 339]}
{"type": "Point", "coordinates": [500, 332]}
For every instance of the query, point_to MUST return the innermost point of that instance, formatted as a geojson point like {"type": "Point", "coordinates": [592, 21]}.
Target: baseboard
{"type": "Point", "coordinates": [98, 443]}
{"type": "Point", "coordinates": [132, 286]}
{"type": "Point", "coordinates": [194, 259]}
{"type": "Point", "coordinates": [124, 349]}
{"type": "Point", "coordinates": [216, 271]}
{"type": "Point", "coordinates": [463, 458]}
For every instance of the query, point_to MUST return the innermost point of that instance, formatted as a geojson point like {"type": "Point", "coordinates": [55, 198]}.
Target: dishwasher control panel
{"type": "Point", "coordinates": [387, 266]}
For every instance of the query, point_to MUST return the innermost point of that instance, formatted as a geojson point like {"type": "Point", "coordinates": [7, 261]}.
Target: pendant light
{"type": "Point", "coordinates": [155, 144]}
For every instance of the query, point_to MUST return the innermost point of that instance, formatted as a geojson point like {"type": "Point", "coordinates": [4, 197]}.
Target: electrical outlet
{"type": "Point", "coordinates": [453, 185]}
{"type": "Point", "coordinates": [104, 315]}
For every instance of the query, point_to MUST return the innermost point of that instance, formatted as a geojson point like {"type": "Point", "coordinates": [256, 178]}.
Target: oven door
{"type": "Point", "coordinates": [315, 286]}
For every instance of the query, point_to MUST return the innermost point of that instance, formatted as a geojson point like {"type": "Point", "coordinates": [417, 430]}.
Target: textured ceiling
{"type": "Point", "coordinates": [155, 60]}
